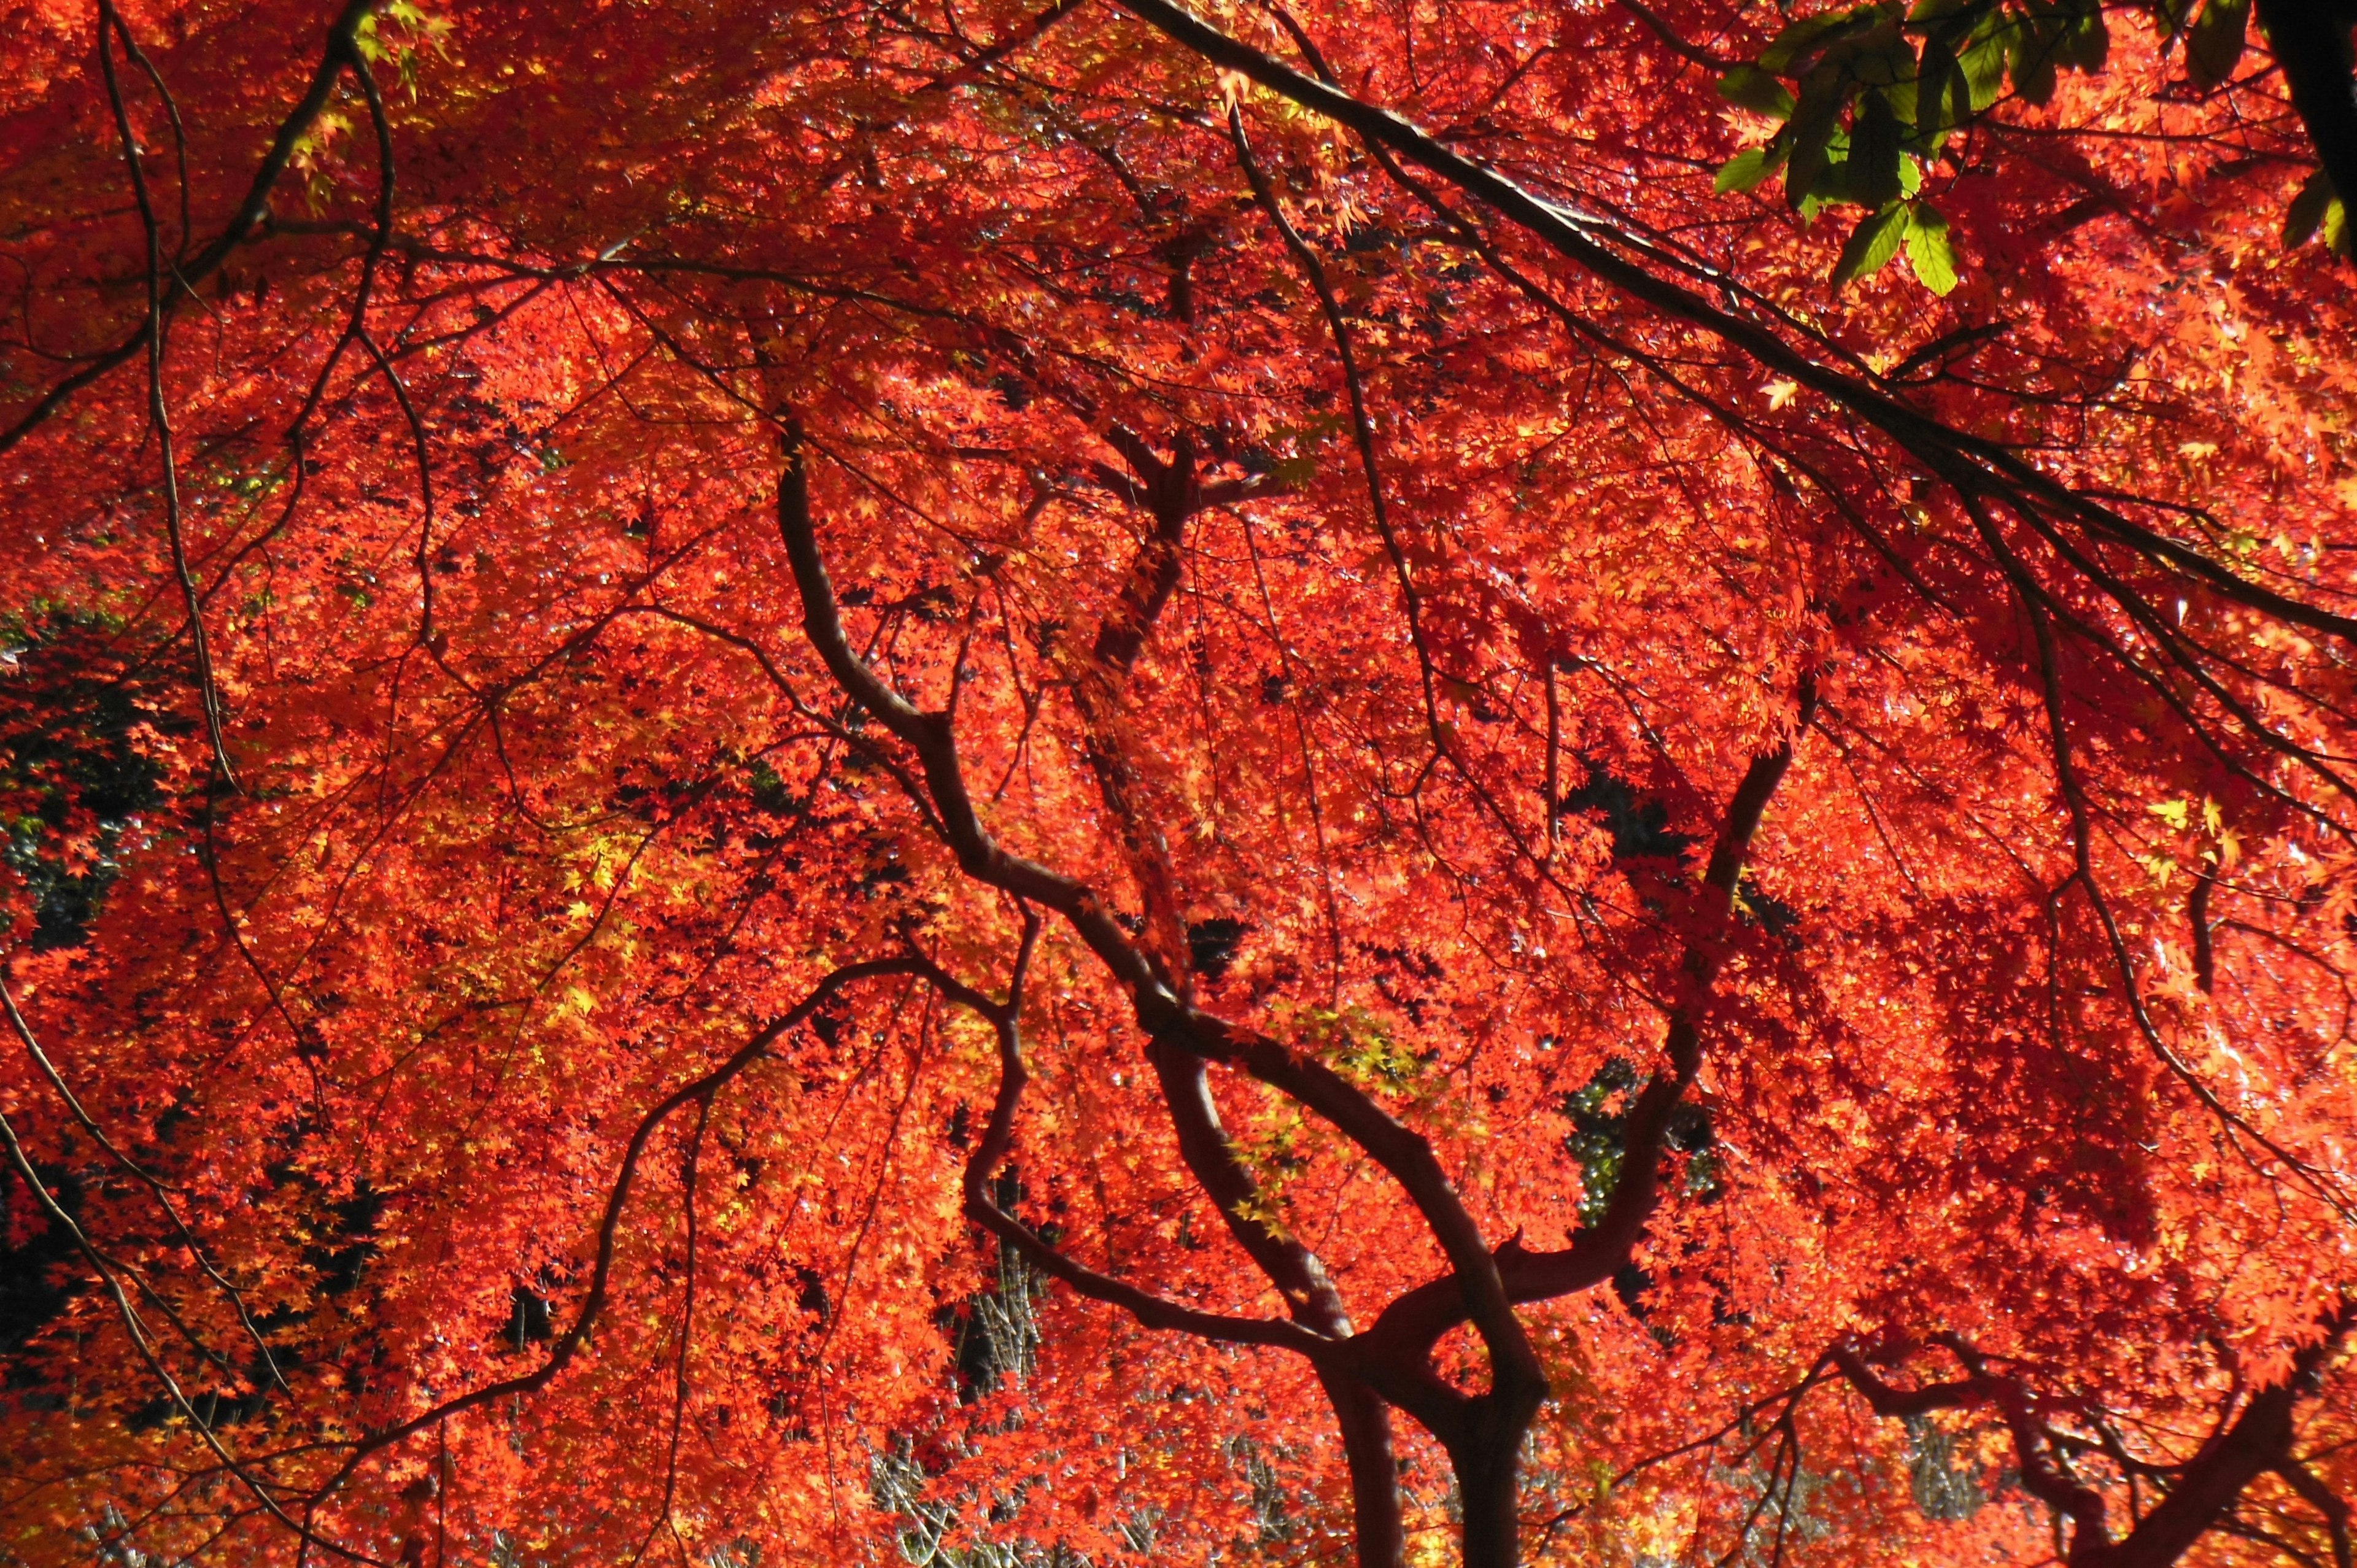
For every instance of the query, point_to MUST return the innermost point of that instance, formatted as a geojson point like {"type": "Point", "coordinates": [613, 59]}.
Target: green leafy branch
{"type": "Point", "coordinates": [1866, 97]}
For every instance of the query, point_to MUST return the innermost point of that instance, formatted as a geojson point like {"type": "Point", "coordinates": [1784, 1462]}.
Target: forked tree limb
{"type": "Point", "coordinates": [1160, 1011]}
{"type": "Point", "coordinates": [1482, 1433]}
{"type": "Point", "coordinates": [1491, 1425]}
{"type": "Point", "coordinates": [1360, 1411]}
{"type": "Point", "coordinates": [997, 1140]}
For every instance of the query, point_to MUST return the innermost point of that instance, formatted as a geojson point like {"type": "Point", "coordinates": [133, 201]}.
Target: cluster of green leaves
{"type": "Point", "coordinates": [394, 34]}
{"type": "Point", "coordinates": [1358, 1044]}
{"type": "Point", "coordinates": [1876, 93]}
{"type": "Point", "coordinates": [2317, 208]}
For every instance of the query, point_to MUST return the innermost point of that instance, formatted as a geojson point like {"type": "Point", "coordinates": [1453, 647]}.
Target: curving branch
{"type": "Point", "coordinates": [568, 1344]}
{"type": "Point", "coordinates": [111, 28]}
{"type": "Point", "coordinates": [999, 1138]}
{"type": "Point", "coordinates": [1483, 1434]}
{"type": "Point", "coordinates": [2200, 1494]}
{"type": "Point", "coordinates": [1412, 1325]}
{"type": "Point", "coordinates": [146, 1178]}
{"type": "Point", "coordinates": [341, 50]}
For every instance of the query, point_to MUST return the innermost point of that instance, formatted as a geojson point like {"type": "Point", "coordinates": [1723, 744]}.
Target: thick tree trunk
{"type": "Point", "coordinates": [1366, 1424]}
{"type": "Point", "coordinates": [2259, 1440]}
{"type": "Point", "coordinates": [1486, 1484]}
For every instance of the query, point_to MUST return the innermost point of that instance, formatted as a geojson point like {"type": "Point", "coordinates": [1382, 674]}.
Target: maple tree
{"type": "Point", "coordinates": [1295, 783]}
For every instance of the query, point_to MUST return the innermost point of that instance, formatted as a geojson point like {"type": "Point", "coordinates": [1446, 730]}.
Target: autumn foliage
{"type": "Point", "coordinates": [972, 785]}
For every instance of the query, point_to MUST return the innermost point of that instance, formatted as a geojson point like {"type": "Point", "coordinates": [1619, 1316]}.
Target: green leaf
{"type": "Point", "coordinates": [1872, 244]}
{"type": "Point", "coordinates": [1293, 473]}
{"type": "Point", "coordinates": [2037, 46]}
{"type": "Point", "coordinates": [1929, 249]}
{"type": "Point", "coordinates": [1984, 69]}
{"type": "Point", "coordinates": [2216, 42]}
{"type": "Point", "coordinates": [1874, 152]}
{"type": "Point", "coordinates": [1877, 57]}
{"type": "Point", "coordinates": [2087, 43]}
{"type": "Point", "coordinates": [1941, 98]}
{"type": "Point", "coordinates": [1811, 129]}
{"type": "Point", "coordinates": [1749, 87]}
{"type": "Point", "coordinates": [1902, 94]}
{"type": "Point", "coordinates": [1749, 167]}
{"type": "Point", "coordinates": [1787, 46]}
{"type": "Point", "coordinates": [2307, 211]}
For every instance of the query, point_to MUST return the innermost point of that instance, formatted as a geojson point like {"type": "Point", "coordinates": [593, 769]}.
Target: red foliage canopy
{"type": "Point", "coordinates": [792, 783]}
